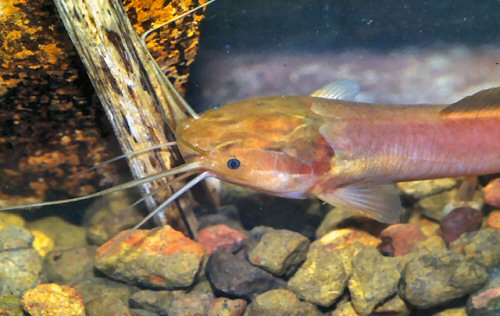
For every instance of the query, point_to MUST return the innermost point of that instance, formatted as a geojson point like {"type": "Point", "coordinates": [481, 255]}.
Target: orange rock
{"type": "Point", "coordinates": [53, 299]}
{"type": "Point", "coordinates": [492, 193]}
{"type": "Point", "coordinates": [221, 236]}
{"type": "Point", "coordinates": [160, 257]}
{"type": "Point", "coordinates": [399, 239]}
{"type": "Point", "coordinates": [494, 220]}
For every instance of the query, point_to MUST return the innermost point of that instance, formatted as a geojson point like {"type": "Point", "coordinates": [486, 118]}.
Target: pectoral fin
{"type": "Point", "coordinates": [338, 90]}
{"type": "Point", "coordinates": [378, 201]}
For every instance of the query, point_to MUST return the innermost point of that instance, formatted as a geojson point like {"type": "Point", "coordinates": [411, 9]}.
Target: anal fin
{"type": "Point", "coordinates": [378, 201]}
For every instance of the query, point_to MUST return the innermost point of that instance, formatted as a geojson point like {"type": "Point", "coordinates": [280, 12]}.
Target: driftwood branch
{"type": "Point", "coordinates": [129, 85]}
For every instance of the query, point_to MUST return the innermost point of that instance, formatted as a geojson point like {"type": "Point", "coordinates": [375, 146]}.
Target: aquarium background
{"type": "Point", "coordinates": [399, 51]}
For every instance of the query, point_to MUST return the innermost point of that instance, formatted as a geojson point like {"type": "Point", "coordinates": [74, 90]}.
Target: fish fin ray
{"type": "Point", "coordinates": [378, 201]}
{"type": "Point", "coordinates": [338, 90]}
{"type": "Point", "coordinates": [485, 102]}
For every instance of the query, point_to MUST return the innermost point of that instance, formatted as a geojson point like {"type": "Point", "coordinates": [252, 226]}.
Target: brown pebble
{"type": "Point", "coordinates": [221, 236]}
{"type": "Point", "coordinates": [460, 220]}
{"type": "Point", "coordinates": [226, 306]}
{"type": "Point", "coordinates": [492, 193]}
{"type": "Point", "coordinates": [494, 220]}
{"type": "Point", "coordinates": [399, 239]}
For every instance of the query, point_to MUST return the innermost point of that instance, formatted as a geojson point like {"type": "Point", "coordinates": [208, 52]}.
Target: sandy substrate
{"type": "Point", "coordinates": [409, 75]}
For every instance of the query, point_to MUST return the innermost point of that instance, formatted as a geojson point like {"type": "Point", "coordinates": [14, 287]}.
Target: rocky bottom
{"type": "Point", "coordinates": [260, 256]}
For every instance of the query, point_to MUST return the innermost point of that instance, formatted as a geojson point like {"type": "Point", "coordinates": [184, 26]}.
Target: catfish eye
{"type": "Point", "coordinates": [233, 163]}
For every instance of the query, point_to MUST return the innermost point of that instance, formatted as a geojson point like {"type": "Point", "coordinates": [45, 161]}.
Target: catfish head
{"type": "Point", "coordinates": [269, 144]}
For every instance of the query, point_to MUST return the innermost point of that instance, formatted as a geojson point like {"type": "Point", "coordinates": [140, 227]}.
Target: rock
{"type": "Point", "coordinates": [436, 278]}
{"type": "Point", "coordinates": [482, 245]}
{"type": "Point", "coordinates": [63, 234]}
{"type": "Point", "coordinates": [141, 312]}
{"type": "Point", "coordinates": [235, 276]}
{"type": "Point", "coordinates": [428, 227]}
{"type": "Point", "coordinates": [393, 307]}
{"type": "Point", "coordinates": [280, 302]}
{"type": "Point", "coordinates": [158, 302]}
{"type": "Point", "coordinates": [433, 206]}
{"type": "Point", "coordinates": [42, 243]}
{"type": "Point", "coordinates": [424, 188]}
{"type": "Point", "coordinates": [439, 205]}
{"type": "Point", "coordinates": [494, 220]}
{"type": "Point", "coordinates": [399, 239]}
{"type": "Point", "coordinates": [344, 308]}
{"type": "Point", "coordinates": [280, 252]}
{"type": "Point", "coordinates": [99, 288]}
{"type": "Point", "coordinates": [109, 215]}
{"type": "Point", "coordinates": [10, 305]}
{"type": "Point", "coordinates": [67, 266]}
{"type": "Point", "coordinates": [190, 304]}
{"type": "Point", "coordinates": [457, 311]}
{"type": "Point", "coordinates": [221, 236]}
{"type": "Point", "coordinates": [460, 220]}
{"type": "Point", "coordinates": [374, 279]}
{"type": "Point", "coordinates": [11, 220]}
{"type": "Point", "coordinates": [492, 193]}
{"type": "Point", "coordinates": [20, 265]}
{"type": "Point", "coordinates": [161, 257]}
{"type": "Point", "coordinates": [53, 299]}
{"type": "Point", "coordinates": [321, 279]}
{"type": "Point", "coordinates": [486, 301]}
{"type": "Point", "coordinates": [107, 306]}
{"type": "Point", "coordinates": [343, 238]}
{"type": "Point", "coordinates": [15, 238]}
{"type": "Point", "coordinates": [227, 307]}
{"type": "Point", "coordinates": [333, 219]}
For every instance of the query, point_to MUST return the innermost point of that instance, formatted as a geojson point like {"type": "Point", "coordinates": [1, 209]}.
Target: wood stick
{"type": "Point", "coordinates": [129, 85]}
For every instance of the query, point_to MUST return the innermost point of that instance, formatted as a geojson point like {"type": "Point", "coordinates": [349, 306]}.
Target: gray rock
{"type": "Point", "coordinates": [65, 266]}
{"type": "Point", "coordinates": [63, 234]}
{"type": "Point", "coordinates": [109, 215]}
{"type": "Point", "coordinates": [280, 302]}
{"type": "Point", "coordinates": [235, 276]}
{"type": "Point", "coordinates": [332, 220]}
{"type": "Point", "coordinates": [374, 279]}
{"type": "Point", "coordinates": [190, 304]}
{"type": "Point", "coordinates": [158, 302]}
{"type": "Point", "coordinates": [439, 205]}
{"type": "Point", "coordinates": [436, 278]}
{"type": "Point", "coordinates": [107, 305]}
{"type": "Point", "coordinates": [396, 306]}
{"type": "Point", "coordinates": [224, 306]}
{"type": "Point", "coordinates": [15, 238]}
{"type": "Point", "coordinates": [321, 279]}
{"type": "Point", "coordinates": [486, 301]}
{"type": "Point", "coordinates": [19, 270]}
{"type": "Point", "coordinates": [280, 251]}
{"type": "Point", "coordinates": [141, 312]}
{"type": "Point", "coordinates": [482, 246]}
{"type": "Point", "coordinates": [98, 288]}
{"type": "Point", "coordinates": [421, 189]}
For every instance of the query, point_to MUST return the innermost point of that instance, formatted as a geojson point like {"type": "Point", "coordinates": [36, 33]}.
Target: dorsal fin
{"type": "Point", "coordinates": [483, 103]}
{"type": "Point", "coordinates": [342, 89]}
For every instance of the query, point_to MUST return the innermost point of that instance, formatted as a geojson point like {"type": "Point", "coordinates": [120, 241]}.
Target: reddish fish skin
{"type": "Point", "coordinates": [403, 143]}
{"type": "Point", "coordinates": [344, 153]}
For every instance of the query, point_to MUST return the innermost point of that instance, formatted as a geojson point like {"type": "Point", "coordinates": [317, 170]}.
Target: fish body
{"type": "Point", "coordinates": [346, 153]}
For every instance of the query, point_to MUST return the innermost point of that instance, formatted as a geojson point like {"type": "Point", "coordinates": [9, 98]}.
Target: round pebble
{"type": "Point", "coordinates": [460, 220]}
